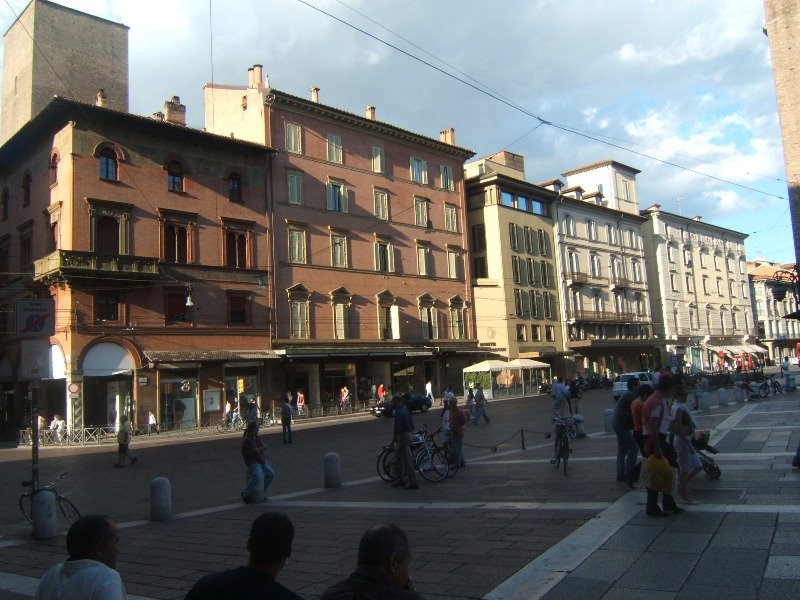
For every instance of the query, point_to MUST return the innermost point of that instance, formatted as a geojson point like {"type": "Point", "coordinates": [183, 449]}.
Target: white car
{"type": "Point", "coordinates": [621, 382]}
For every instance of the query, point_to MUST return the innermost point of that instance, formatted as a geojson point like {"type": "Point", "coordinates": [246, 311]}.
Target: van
{"type": "Point", "coordinates": [621, 382]}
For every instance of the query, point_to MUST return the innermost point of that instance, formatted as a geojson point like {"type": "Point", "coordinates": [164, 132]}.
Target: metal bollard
{"type": "Point", "coordinates": [522, 436]}
{"type": "Point", "coordinates": [43, 509]}
{"type": "Point", "coordinates": [579, 424]}
{"type": "Point", "coordinates": [608, 417]}
{"type": "Point", "coordinates": [160, 499]}
{"type": "Point", "coordinates": [333, 470]}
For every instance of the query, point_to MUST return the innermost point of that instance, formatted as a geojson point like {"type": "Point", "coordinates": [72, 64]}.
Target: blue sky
{"type": "Point", "coordinates": [680, 81]}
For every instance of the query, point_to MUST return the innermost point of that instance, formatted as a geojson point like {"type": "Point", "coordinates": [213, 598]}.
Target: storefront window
{"type": "Point", "coordinates": [178, 403]}
{"type": "Point", "coordinates": [241, 386]}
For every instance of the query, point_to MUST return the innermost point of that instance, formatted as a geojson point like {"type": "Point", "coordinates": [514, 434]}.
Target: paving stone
{"type": "Point", "coordinates": [783, 567]}
{"type": "Point", "coordinates": [779, 589]}
{"type": "Point", "coordinates": [620, 593]}
{"type": "Point", "coordinates": [570, 588]}
{"type": "Point", "coordinates": [740, 536]}
{"type": "Point", "coordinates": [751, 519]}
{"type": "Point", "coordinates": [694, 521]}
{"type": "Point", "coordinates": [659, 571]}
{"type": "Point", "coordinates": [785, 549]}
{"type": "Point", "coordinates": [681, 541]}
{"type": "Point", "coordinates": [607, 565]}
{"type": "Point", "coordinates": [632, 538]}
{"type": "Point", "coordinates": [707, 592]}
{"type": "Point", "coordinates": [731, 567]}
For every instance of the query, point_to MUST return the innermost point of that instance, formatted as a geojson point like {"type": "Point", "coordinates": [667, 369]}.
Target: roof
{"type": "Point", "coordinates": [597, 165]}
{"type": "Point", "coordinates": [161, 356]}
{"type": "Point", "coordinates": [61, 110]}
{"type": "Point", "coordinates": [655, 210]}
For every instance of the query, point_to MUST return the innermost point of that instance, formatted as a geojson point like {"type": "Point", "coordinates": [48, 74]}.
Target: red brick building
{"type": "Point", "coordinates": [370, 279]}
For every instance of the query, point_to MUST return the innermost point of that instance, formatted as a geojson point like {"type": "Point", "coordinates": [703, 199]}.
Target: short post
{"type": "Point", "coordinates": [579, 424]}
{"type": "Point", "coordinates": [43, 512]}
{"type": "Point", "coordinates": [722, 397]}
{"type": "Point", "coordinates": [608, 417]}
{"type": "Point", "coordinates": [705, 401]}
{"type": "Point", "coordinates": [333, 470]}
{"type": "Point", "coordinates": [160, 499]}
{"type": "Point", "coordinates": [522, 435]}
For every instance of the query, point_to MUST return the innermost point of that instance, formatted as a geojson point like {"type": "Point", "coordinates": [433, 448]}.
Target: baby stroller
{"type": "Point", "coordinates": [703, 448]}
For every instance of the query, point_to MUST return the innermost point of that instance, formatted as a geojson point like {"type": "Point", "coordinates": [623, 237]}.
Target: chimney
{"type": "Point", "coordinates": [174, 111]}
{"type": "Point", "coordinates": [315, 94]}
{"type": "Point", "coordinates": [369, 113]}
{"type": "Point", "coordinates": [250, 77]}
{"type": "Point", "coordinates": [697, 218]}
{"type": "Point", "coordinates": [158, 116]}
{"type": "Point", "coordinates": [101, 98]}
{"type": "Point", "coordinates": [448, 136]}
{"type": "Point", "coordinates": [258, 75]}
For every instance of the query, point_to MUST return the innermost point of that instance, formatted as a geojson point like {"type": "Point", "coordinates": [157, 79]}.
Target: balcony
{"type": "Point", "coordinates": [620, 283]}
{"type": "Point", "coordinates": [576, 279]}
{"type": "Point", "coordinates": [605, 316]}
{"type": "Point", "coordinates": [66, 263]}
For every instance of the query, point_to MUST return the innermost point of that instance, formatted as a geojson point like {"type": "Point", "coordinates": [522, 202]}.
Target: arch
{"type": "Point", "coordinates": [385, 298]}
{"type": "Point", "coordinates": [173, 158]}
{"type": "Point", "coordinates": [110, 146]}
{"type": "Point", "coordinates": [58, 364]}
{"type": "Point", "coordinates": [236, 171]}
{"type": "Point", "coordinates": [107, 358]}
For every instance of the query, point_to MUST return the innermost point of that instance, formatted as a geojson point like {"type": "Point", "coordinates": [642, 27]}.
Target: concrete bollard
{"type": "Point", "coordinates": [333, 470]}
{"type": "Point", "coordinates": [608, 417]}
{"type": "Point", "coordinates": [705, 401]}
{"type": "Point", "coordinates": [43, 512]}
{"type": "Point", "coordinates": [738, 395]}
{"type": "Point", "coordinates": [580, 425]}
{"type": "Point", "coordinates": [722, 397]}
{"type": "Point", "coordinates": [160, 499]}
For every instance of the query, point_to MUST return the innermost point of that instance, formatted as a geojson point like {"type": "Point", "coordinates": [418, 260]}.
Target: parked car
{"type": "Point", "coordinates": [413, 401]}
{"type": "Point", "coordinates": [621, 382]}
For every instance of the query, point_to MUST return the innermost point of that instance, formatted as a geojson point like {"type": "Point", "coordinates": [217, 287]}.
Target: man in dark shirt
{"type": "Point", "coordinates": [286, 421]}
{"type": "Point", "coordinates": [622, 421]}
{"type": "Point", "coordinates": [269, 544]}
{"type": "Point", "coordinates": [384, 558]}
{"type": "Point", "coordinates": [403, 428]}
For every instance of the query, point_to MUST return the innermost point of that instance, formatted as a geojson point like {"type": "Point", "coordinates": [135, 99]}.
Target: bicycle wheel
{"type": "Point", "coordinates": [386, 465]}
{"type": "Point", "coordinates": [68, 509]}
{"type": "Point", "coordinates": [557, 448]}
{"type": "Point", "coordinates": [763, 390]}
{"type": "Point", "coordinates": [451, 458]}
{"type": "Point", "coordinates": [431, 465]}
{"type": "Point", "coordinates": [572, 430]}
{"type": "Point", "coordinates": [564, 452]}
{"type": "Point", "coordinates": [25, 503]}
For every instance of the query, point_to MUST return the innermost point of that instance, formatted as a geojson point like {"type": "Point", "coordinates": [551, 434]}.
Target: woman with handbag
{"type": "Point", "coordinates": [655, 427]}
{"type": "Point", "coordinates": [683, 430]}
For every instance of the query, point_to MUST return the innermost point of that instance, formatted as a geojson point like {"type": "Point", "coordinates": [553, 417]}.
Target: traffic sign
{"type": "Point", "coordinates": [35, 317]}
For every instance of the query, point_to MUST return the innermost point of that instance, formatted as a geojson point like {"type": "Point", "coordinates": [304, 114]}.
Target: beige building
{"type": "Point", "coordinates": [513, 258]}
{"type": "Point", "coordinates": [780, 335]}
{"type": "Point", "coordinates": [699, 291]}
{"type": "Point", "coordinates": [601, 270]}
{"type": "Point", "coordinates": [57, 65]}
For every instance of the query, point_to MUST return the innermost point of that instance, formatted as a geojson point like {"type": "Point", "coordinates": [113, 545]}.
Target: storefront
{"type": "Point", "coordinates": [108, 370]}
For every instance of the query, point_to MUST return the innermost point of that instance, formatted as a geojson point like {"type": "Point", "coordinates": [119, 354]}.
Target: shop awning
{"type": "Point", "coordinates": [526, 363]}
{"type": "Point", "coordinates": [106, 359]}
{"type": "Point", "coordinates": [197, 356]}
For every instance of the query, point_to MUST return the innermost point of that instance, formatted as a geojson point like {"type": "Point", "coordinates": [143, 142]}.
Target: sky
{"type": "Point", "coordinates": [679, 89]}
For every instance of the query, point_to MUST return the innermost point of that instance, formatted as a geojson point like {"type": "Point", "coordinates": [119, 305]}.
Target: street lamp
{"type": "Point", "coordinates": [784, 281]}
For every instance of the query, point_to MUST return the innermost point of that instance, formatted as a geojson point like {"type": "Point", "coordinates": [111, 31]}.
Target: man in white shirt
{"type": "Point", "coordinates": [88, 573]}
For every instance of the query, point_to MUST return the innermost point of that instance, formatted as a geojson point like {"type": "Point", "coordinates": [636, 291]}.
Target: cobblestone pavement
{"type": "Point", "coordinates": [507, 526]}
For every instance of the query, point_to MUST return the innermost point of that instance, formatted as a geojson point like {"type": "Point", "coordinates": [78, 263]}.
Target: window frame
{"type": "Point", "coordinates": [108, 164]}
{"type": "Point", "coordinates": [446, 176]}
{"type": "Point", "coordinates": [451, 218]}
{"type": "Point", "coordinates": [297, 248]}
{"type": "Point", "coordinates": [232, 296]}
{"type": "Point", "coordinates": [422, 214]}
{"type": "Point", "coordinates": [235, 188]}
{"type": "Point", "coordinates": [293, 138]}
{"type": "Point", "coordinates": [335, 150]}
{"type": "Point", "coordinates": [337, 196]}
{"type": "Point", "coordinates": [455, 263]}
{"type": "Point", "coordinates": [384, 252]}
{"type": "Point", "coordinates": [418, 170]}
{"type": "Point", "coordinates": [340, 239]}
{"type": "Point", "coordinates": [294, 187]}
{"type": "Point", "coordinates": [381, 202]}
{"type": "Point", "coordinates": [378, 160]}
{"type": "Point", "coordinates": [176, 177]}
{"type": "Point", "coordinates": [242, 233]}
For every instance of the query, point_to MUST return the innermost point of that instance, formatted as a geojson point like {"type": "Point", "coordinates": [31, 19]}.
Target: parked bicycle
{"type": "Point", "coordinates": [561, 443]}
{"type": "Point", "coordinates": [66, 507]}
{"type": "Point", "coordinates": [774, 385]}
{"type": "Point", "coordinates": [231, 423]}
{"type": "Point", "coordinates": [432, 461]}
{"type": "Point", "coordinates": [386, 457]}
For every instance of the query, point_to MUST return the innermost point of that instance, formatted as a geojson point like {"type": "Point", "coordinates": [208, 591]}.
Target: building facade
{"type": "Point", "coordinates": [512, 251]}
{"type": "Point", "coordinates": [700, 295]}
{"type": "Point", "coordinates": [152, 239]}
{"type": "Point", "coordinates": [772, 302]}
{"type": "Point", "coordinates": [371, 284]}
{"type": "Point", "coordinates": [601, 270]}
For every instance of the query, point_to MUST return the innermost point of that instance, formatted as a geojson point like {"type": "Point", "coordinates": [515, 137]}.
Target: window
{"type": "Point", "coordinates": [531, 243]}
{"type": "Point", "coordinates": [537, 305]}
{"type": "Point", "coordinates": [454, 266]}
{"type": "Point", "coordinates": [384, 255]}
{"type": "Point", "coordinates": [238, 308]}
{"type": "Point", "coordinates": [689, 284]}
{"type": "Point", "coordinates": [421, 212]}
{"type": "Point", "coordinates": [388, 316]}
{"type": "Point", "coordinates": [419, 171]}
{"type": "Point", "coordinates": [507, 199]}
{"type": "Point", "coordinates": [536, 333]}
{"type": "Point", "coordinates": [176, 239]}
{"type": "Point", "coordinates": [107, 241]}
{"type": "Point", "coordinates": [549, 303]}
{"type": "Point", "coordinates": [744, 290]}
{"type": "Point", "coordinates": [234, 187]}
{"type": "Point", "coordinates": [673, 282]}
{"type": "Point", "coordinates": [108, 164]}
{"type": "Point", "coordinates": [297, 245]}
{"type": "Point", "coordinates": [54, 169]}
{"type": "Point", "coordinates": [637, 271]}
{"type": "Point", "coordinates": [703, 260]}
{"type": "Point", "coordinates": [719, 286]}
{"type": "Point", "coordinates": [522, 333]}
{"type": "Point", "coordinates": [294, 187]}
{"type": "Point", "coordinates": [299, 297]}
{"type": "Point", "coordinates": [515, 268]}
{"type": "Point", "coordinates": [423, 251]}
{"type": "Point", "coordinates": [705, 285]}
{"type": "Point", "coordinates": [109, 227]}
{"type": "Point", "coordinates": [547, 274]}
{"type": "Point", "coordinates": [529, 272]}
{"type": "Point", "coordinates": [294, 135]}
{"type": "Point", "coordinates": [339, 249]}
{"type": "Point", "coordinates": [447, 177]}
{"type": "Point", "coordinates": [611, 234]}
{"type": "Point", "coordinates": [381, 204]}
{"type": "Point", "coordinates": [716, 262]}
{"type": "Point", "coordinates": [549, 333]}
{"type": "Point", "coordinates": [670, 253]}
{"type": "Point", "coordinates": [513, 237]}
{"type": "Point", "coordinates": [335, 148]}
{"type": "Point", "coordinates": [479, 267]}
{"type": "Point", "coordinates": [429, 319]}
{"type": "Point", "coordinates": [632, 239]}
{"type": "Point", "coordinates": [106, 307]}
{"type": "Point", "coordinates": [6, 198]}
{"type": "Point", "coordinates": [687, 257]}
{"type": "Point", "coordinates": [591, 230]}
{"type": "Point", "coordinates": [238, 237]}
{"type": "Point", "coordinates": [378, 161]}
{"type": "Point", "coordinates": [26, 189]}
{"type": "Point", "coordinates": [177, 311]}
{"type": "Point", "coordinates": [569, 225]}
{"type": "Point", "coordinates": [594, 265]}
{"type": "Point", "coordinates": [340, 302]}
{"type": "Point", "coordinates": [175, 176]}
{"type": "Point", "coordinates": [544, 244]}
{"type": "Point", "coordinates": [478, 237]}
{"type": "Point", "coordinates": [451, 218]}
{"type": "Point", "coordinates": [337, 196]}
{"type": "Point", "coordinates": [457, 331]}
{"type": "Point", "coordinates": [5, 259]}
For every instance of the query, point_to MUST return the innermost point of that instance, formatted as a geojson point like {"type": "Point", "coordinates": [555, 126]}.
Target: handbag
{"type": "Point", "coordinates": [660, 474]}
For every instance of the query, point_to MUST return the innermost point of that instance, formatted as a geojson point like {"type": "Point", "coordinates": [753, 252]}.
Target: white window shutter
{"type": "Point", "coordinates": [424, 172]}
{"type": "Point", "coordinates": [344, 199]}
{"type": "Point", "coordinates": [395, 312]}
{"type": "Point", "coordinates": [424, 321]}
{"type": "Point", "coordinates": [390, 252]}
{"type": "Point", "coordinates": [330, 196]}
{"type": "Point", "coordinates": [435, 323]}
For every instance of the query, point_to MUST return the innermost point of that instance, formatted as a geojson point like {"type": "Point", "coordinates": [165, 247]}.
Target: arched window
{"type": "Point", "coordinates": [54, 169]}
{"type": "Point", "coordinates": [26, 189]}
{"type": "Point", "coordinates": [175, 176]}
{"type": "Point", "coordinates": [234, 187]}
{"type": "Point", "coordinates": [108, 164]}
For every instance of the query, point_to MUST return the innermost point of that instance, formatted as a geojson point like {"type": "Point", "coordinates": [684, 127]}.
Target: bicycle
{"type": "Point", "coordinates": [432, 460]}
{"type": "Point", "coordinates": [561, 443]}
{"type": "Point", "coordinates": [774, 386]}
{"type": "Point", "coordinates": [234, 423]}
{"type": "Point", "coordinates": [64, 504]}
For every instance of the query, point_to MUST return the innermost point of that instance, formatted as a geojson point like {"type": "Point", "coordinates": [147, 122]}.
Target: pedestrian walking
{"type": "Point", "coordinates": [622, 421]}
{"type": "Point", "coordinates": [381, 391]}
{"type": "Point", "coordinates": [429, 389]}
{"type": "Point", "coordinates": [251, 414]}
{"type": "Point", "coordinates": [683, 429]}
{"type": "Point", "coordinates": [152, 425]}
{"type": "Point", "coordinates": [480, 405]}
{"type": "Point", "coordinates": [655, 424]}
{"type": "Point", "coordinates": [636, 412]}
{"type": "Point", "coordinates": [286, 421]}
{"type": "Point", "coordinates": [123, 443]}
{"type": "Point", "coordinates": [260, 472]}
{"type": "Point", "coordinates": [269, 546]}
{"type": "Point", "coordinates": [89, 573]}
{"type": "Point", "coordinates": [574, 398]}
{"type": "Point", "coordinates": [470, 403]}
{"type": "Point", "coordinates": [560, 394]}
{"type": "Point", "coordinates": [301, 402]}
{"type": "Point", "coordinates": [382, 572]}
{"type": "Point", "coordinates": [401, 441]}
{"type": "Point", "coordinates": [785, 372]}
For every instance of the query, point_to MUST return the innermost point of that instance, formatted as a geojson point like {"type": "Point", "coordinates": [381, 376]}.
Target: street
{"type": "Point", "coordinates": [476, 535]}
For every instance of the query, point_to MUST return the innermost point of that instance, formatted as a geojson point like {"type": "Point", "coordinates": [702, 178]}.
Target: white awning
{"type": "Point", "coordinates": [486, 365]}
{"type": "Point", "coordinates": [58, 366]}
{"type": "Point", "coordinates": [107, 359]}
{"type": "Point", "coordinates": [527, 363]}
